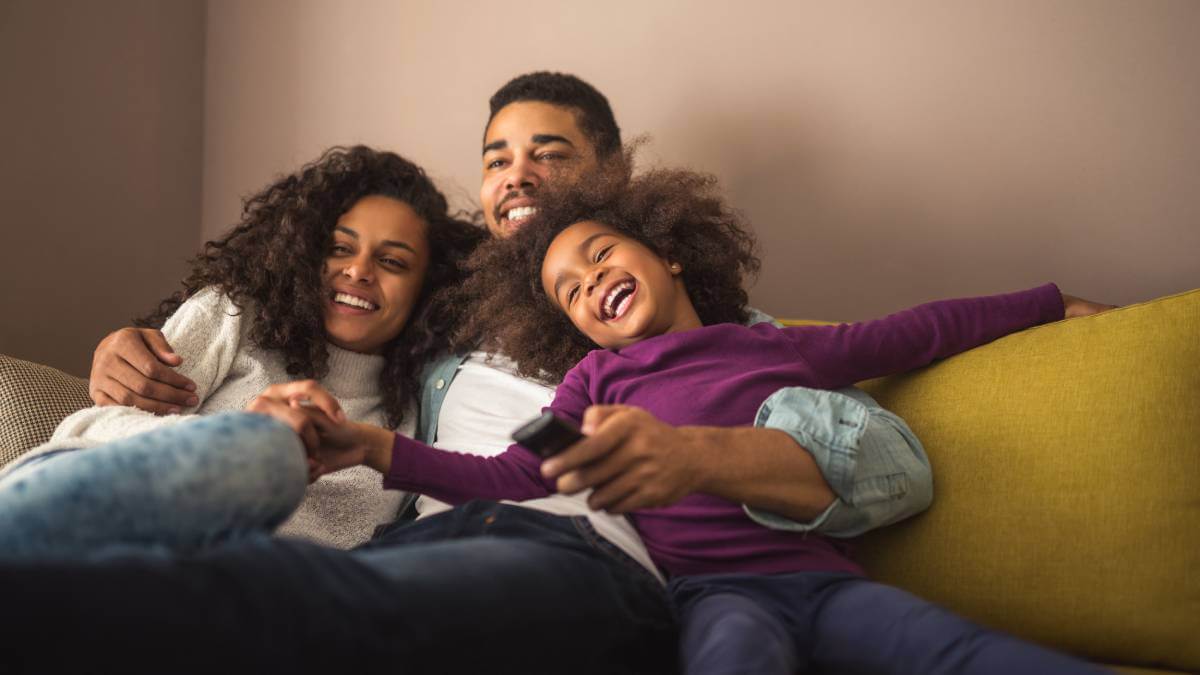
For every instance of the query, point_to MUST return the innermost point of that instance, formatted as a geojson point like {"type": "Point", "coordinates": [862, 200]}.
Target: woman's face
{"type": "Point", "coordinates": [614, 289]}
{"type": "Point", "coordinates": [374, 273]}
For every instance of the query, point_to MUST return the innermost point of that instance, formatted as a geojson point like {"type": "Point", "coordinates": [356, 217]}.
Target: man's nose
{"type": "Point", "coordinates": [522, 174]}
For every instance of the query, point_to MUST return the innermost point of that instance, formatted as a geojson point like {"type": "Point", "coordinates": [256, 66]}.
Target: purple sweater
{"type": "Point", "coordinates": [718, 376]}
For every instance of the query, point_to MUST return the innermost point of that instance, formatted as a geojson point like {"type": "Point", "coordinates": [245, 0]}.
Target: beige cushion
{"type": "Point", "coordinates": [33, 400]}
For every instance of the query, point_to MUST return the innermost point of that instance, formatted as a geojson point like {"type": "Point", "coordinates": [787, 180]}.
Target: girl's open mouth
{"type": "Point", "coordinates": [616, 302]}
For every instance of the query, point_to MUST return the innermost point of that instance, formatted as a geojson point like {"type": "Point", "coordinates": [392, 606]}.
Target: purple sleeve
{"type": "Point", "coordinates": [848, 353]}
{"type": "Point", "coordinates": [455, 478]}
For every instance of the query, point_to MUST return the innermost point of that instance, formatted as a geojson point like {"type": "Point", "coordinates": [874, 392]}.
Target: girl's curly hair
{"type": "Point", "coordinates": [272, 264]}
{"type": "Point", "coordinates": [678, 214]}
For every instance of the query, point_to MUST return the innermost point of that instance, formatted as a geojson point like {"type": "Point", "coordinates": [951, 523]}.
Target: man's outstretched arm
{"type": "Point", "coordinates": [134, 367]}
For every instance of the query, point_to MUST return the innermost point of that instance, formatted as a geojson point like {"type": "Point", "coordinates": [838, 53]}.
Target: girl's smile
{"type": "Point", "coordinates": [614, 289]}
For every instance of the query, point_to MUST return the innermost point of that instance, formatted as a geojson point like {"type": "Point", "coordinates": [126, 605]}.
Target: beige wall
{"type": "Point", "coordinates": [100, 169]}
{"type": "Point", "coordinates": [887, 152]}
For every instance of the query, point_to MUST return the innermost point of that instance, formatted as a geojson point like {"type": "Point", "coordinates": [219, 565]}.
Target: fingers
{"type": "Point", "coordinates": [296, 420]}
{"type": "Point", "coordinates": [129, 385]}
{"type": "Point", "coordinates": [596, 415]}
{"type": "Point", "coordinates": [310, 392]}
{"type": "Point", "coordinates": [619, 491]}
{"type": "Point", "coordinates": [159, 346]}
{"type": "Point", "coordinates": [126, 372]}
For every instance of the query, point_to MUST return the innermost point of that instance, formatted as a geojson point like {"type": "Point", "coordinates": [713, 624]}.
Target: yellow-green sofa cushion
{"type": "Point", "coordinates": [1066, 482]}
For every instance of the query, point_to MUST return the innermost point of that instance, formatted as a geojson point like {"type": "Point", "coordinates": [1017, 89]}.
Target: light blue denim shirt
{"type": "Point", "coordinates": [871, 459]}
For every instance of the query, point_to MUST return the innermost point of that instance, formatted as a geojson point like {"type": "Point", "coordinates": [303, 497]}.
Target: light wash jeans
{"type": "Point", "coordinates": [181, 488]}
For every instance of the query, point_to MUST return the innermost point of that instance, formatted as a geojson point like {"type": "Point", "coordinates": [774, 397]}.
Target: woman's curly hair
{"type": "Point", "coordinates": [678, 214]}
{"type": "Point", "coordinates": [272, 264]}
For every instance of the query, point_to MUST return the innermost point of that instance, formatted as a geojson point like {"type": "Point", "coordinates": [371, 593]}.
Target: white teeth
{"type": "Point", "coordinates": [609, 311]}
{"type": "Point", "coordinates": [521, 212]}
{"type": "Point", "coordinates": [353, 301]}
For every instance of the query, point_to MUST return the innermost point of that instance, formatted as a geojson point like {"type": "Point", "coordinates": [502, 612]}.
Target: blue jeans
{"type": "Point", "coordinates": [839, 623]}
{"type": "Point", "coordinates": [178, 488]}
{"type": "Point", "coordinates": [483, 588]}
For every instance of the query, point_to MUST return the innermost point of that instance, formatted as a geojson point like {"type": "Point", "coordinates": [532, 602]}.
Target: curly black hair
{"type": "Point", "coordinates": [678, 214]}
{"type": "Point", "coordinates": [593, 114]}
{"type": "Point", "coordinates": [271, 263]}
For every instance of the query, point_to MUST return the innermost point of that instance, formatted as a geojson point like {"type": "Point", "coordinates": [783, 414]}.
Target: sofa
{"type": "Point", "coordinates": [1066, 474]}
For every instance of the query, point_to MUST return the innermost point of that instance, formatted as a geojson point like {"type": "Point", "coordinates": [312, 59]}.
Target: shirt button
{"type": "Point", "coordinates": [440, 384]}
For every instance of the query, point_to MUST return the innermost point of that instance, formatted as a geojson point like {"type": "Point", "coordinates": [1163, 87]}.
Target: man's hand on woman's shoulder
{"type": "Point", "coordinates": [134, 367]}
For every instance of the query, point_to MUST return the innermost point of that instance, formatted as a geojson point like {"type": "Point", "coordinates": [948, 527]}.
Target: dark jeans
{"type": "Point", "coordinates": [485, 587]}
{"type": "Point", "coordinates": [839, 623]}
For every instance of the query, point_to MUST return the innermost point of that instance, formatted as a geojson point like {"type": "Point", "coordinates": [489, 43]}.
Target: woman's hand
{"type": "Point", "coordinates": [1075, 307]}
{"type": "Point", "coordinates": [302, 406]}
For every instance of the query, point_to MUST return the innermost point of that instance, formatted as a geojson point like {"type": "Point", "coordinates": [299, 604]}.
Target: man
{"type": "Point", "coordinates": [487, 585]}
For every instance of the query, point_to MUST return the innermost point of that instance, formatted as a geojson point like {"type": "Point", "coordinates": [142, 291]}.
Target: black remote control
{"type": "Point", "coordinates": [547, 435]}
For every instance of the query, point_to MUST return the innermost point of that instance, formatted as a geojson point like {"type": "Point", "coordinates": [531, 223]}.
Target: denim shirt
{"type": "Point", "coordinates": [869, 457]}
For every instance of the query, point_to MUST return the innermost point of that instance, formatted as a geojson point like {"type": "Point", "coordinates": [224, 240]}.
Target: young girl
{"type": "Point", "coordinates": [653, 277]}
{"type": "Point", "coordinates": [328, 276]}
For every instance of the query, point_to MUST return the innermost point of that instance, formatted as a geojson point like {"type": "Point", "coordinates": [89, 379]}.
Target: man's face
{"type": "Point", "coordinates": [529, 145]}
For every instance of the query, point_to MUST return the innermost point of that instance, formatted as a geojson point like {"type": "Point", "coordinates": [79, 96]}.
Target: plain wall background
{"type": "Point", "coordinates": [887, 153]}
{"type": "Point", "coordinates": [100, 163]}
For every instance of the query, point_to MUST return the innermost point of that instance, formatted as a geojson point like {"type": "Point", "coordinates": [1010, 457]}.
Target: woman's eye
{"type": "Point", "coordinates": [394, 263]}
{"type": "Point", "coordinates": [341, 248]}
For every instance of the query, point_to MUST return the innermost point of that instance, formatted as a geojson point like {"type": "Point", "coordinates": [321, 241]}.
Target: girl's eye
{"type": "Point", "coordinates": [603, 253]}
{"type": "Point", "coordinates": [571, 295]}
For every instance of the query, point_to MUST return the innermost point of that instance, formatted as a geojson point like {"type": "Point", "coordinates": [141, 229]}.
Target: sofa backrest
{"type": "Point", "coordinates": [1066, 485]}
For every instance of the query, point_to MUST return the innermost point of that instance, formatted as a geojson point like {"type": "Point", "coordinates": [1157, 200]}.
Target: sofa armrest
{"type": "Point", "coordinates": [33, 400]}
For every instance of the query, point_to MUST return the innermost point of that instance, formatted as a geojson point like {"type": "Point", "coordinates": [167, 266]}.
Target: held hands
{"type": "Point", "coordinates": [630, 458]}
{"type": "Point", "coordinates": [133, 366]}
{"type": "Point", "coordinates": [332, 442]}
{"type": "Point", "coordinates": [1075, 307]}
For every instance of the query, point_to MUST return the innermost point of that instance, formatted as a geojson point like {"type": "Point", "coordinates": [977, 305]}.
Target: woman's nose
{"type": "Point", "coordinates": [358, 270]}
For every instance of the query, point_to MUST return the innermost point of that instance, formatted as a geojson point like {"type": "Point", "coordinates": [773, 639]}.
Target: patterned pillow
{"type": "Point", "coordinates": [33, 400]}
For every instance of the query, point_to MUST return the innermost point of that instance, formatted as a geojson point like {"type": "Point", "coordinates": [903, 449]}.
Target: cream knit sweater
{"type": "Point", "coordinates": [212, 336]}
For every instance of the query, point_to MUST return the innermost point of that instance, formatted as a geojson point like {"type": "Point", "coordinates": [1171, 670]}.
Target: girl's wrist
{"type": "Point", "coordinates": [379, 442]}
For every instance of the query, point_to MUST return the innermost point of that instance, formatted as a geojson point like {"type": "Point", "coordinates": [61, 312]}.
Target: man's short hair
{"type": "Point", "coordinates": [594, 116]}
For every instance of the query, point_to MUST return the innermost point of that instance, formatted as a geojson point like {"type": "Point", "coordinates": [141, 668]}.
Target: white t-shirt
{"type": "Point", "coordinates": [486, 402]}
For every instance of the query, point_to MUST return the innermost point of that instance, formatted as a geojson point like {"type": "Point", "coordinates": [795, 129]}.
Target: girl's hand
{"type": "Point", "coordinates": [1075, 307]}
{"type": "Point", "coordinates": [350, 444]}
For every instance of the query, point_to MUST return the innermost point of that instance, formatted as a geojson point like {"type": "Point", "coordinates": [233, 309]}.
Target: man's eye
{"type": "Point", "coordinates": [552, 155]}
{"type": "Point", "coordinates": [495, 163]}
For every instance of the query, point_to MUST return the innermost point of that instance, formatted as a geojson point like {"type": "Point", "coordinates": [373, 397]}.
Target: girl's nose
{"type": "Point", "coordinates": [595, 279]}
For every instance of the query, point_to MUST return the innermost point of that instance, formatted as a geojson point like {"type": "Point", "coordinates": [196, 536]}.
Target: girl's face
{"type": "Point", "coordinates": [613, 288]}
{"type": "Point", "coordinates": [374, 273]}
